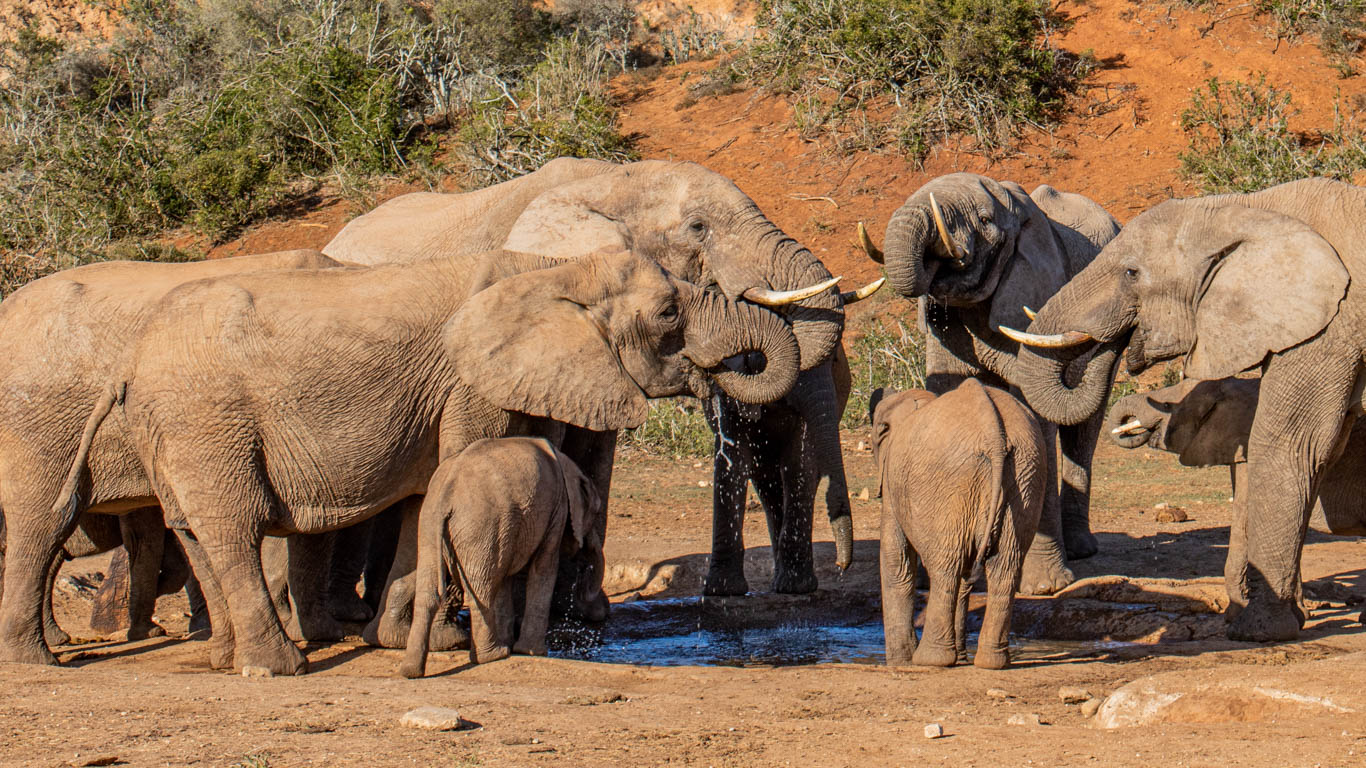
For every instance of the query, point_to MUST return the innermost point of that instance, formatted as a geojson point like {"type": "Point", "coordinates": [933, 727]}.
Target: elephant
{"type": "Point", "coordinates": [963, 478]}
{"type": "Point", "coordinates": [1207, 423]}
{"type": "Point", "coordinates": [976, 253]}
{"type": "Point", "coordinates": [700, 227]}
{"type": "Point", "coordinates": [62, 337]}
{"type": "Point", "coordinates": [500, 507]}
{"type": "Point", "coordinates": [1257, 281]}
{"type": "Point", "coordinates": [305, 401]}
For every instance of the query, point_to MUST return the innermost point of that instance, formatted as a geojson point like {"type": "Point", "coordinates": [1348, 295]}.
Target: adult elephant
{"type": "Point", "coordinates": [62, 338]}
{"type": "Point", "coordinates": [700, 227]}
{"type": "Point", "coordinates": [1233, 282]}
{"type": "Point", "coordinates": [975, 253]}
{"type": "Point", "coordinates": [268, 404]}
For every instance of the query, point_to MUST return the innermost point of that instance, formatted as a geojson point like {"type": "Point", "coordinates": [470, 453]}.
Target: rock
{"type": "Point", "coordinates": [997, 693]}
{"type": "Point", "coordinates": [257, 672]}
{"type": "Point", "coordinates": [862, 446]}
{"type": "Point", "coordinates": [1073, 695]}
{"type": "Point", "coordinates": [432, 719]}
{"type": "Point", "coordinates": [863, 494]}
{"type": "Point", "coordinates": [1166, 513]}
{"type": "Point", "coordinates": [934, 731]}
{"type": "Point", "coordinates": [1031, 718]}
{"type": "Point", "coordinates": [1090, 707]}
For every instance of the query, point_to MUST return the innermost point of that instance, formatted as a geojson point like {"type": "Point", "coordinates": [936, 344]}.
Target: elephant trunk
{"type": "Point", "coordinates": [718, 329]}
{"type": "Point", "coordinates": [821, 406]}
{"type": "Point", "coordinates": [1133, 423]}
{"type": "Point", "coordinates": [909, 244]}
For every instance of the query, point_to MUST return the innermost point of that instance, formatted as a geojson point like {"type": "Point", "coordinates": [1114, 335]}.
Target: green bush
{"type": "Point", "coordinates": [1240, 140]}
{"type": "Point", "coordinates": [883, 356]}
{"type": "Point", "coordinates": [675, 427]}
{"type": "Point", "coordinates": [910, 72]}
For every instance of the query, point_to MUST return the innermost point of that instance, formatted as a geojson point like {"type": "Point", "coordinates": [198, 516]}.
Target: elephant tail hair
{"type": "Point", "coordinates": [69, 497]}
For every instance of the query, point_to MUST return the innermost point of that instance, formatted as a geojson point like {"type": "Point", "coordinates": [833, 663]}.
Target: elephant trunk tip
{"type": "Point", "coordinates": [843, 529]}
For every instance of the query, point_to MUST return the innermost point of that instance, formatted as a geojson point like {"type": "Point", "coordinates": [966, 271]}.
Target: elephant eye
{"type": "Point", "coordinates": [698, 228]}
{"type": "Point", "coordinates": [668, 314]}
{"type": "Point", "coordinates": [1131, 273]}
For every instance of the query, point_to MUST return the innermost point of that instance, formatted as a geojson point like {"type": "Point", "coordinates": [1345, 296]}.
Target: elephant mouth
{"type": "Point", "coordinates": [964, 282]}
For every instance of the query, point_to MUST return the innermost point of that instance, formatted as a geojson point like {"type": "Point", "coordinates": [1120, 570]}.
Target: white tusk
{"type": "Point", "coordinates": [1054, 341]}
{"type": "Point", "coordinates": [1029, 313]}
{"type": "Point", "coordinates": [771, 298]}
{"type": "Point", "coordinates": [1130, 428]}
{"type": "Point", "coordinates": [943, 228]}
{"type": "Point", "coordinates": [850, 297]}
{"type": "Point", "coordinates": [866, 243]}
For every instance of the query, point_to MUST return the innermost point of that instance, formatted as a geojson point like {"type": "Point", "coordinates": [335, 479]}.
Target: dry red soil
{"type": "Point", "coordinates": [157, 703]}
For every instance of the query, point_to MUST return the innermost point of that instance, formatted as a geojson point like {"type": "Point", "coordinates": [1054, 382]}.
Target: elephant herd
{"type": "Point", "coordinates": [435, 397]}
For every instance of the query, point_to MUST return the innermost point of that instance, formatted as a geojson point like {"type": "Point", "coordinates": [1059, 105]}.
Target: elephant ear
{"type": "Point", "coordinates": [532, 343]}
{"type": "Point", "coordinates": [564, 223]}
{"type": "Point", "coordinates": [1266, 291]}
{"type": "Point", "coordinates": [1036, 269]}
{"type": "Point", "coordinates": [582, 500]}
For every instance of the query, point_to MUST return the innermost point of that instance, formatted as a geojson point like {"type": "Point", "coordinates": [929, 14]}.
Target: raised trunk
{"type": "Point", "coordinates": [910, 236]}
{"type": "Point", "coordinates": [718, 329]}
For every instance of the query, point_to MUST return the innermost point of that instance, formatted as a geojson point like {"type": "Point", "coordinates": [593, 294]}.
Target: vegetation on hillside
{"type": "Point", "coordinates": [1340, 25]}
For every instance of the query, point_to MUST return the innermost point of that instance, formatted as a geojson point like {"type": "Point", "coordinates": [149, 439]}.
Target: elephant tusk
{"type": "Point", "coordinates": [771, 298]}
{"type": "Point", "coordinates": [849, 297]}
{"type": "Point", "coordinates": [1029, 313]}
{"type": "Point", "coordinates": [958, 256]}
{"type": "Point", "coordinates": [1053, 341]}
{"type": "Point", "coordinates": [1129, 429]}
{"type": "Point", "coordinates": [866, 243]}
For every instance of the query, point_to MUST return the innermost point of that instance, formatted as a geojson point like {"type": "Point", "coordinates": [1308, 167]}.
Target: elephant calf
{"type": "Point", "coordinates": [521, 504]}
{"type": "Point", "coordinates": [962, 483]}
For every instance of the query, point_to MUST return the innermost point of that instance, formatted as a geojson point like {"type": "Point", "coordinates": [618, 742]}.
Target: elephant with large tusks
{"type": "Point", "coordinates": [1234, 283]}
{"type": "Point", "coordinates": [1206, 424]}
{"type": "Point", "coordinates": [977, 253]}
{"type": "Point", "coordinates": [700, 227]}
{"type": "Point", "coordinates": [306, 401]}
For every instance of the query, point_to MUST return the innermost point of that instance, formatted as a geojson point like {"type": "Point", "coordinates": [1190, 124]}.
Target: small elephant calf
{"type": "Point", "coordinates": [500, 507]}
{"type": "Point", "coordinates": [962, 483]}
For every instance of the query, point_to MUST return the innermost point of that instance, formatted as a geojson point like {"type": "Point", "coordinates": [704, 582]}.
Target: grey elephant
{"type": "Point", "coordinates": [268, 404]}
{"type": "Point", "coordinates": [963, 478]}
{"type": "Point", "coordinates": [700, 227]}
{"type": "Point", "coordinates": [1207, 423]}
{"type": "Point", "coordinates": [61, 339]}
{"type": "Point", "coordinates": [1234, 283]}
{"type": "Point", "coordinates": [977, 253]}
{"type": "Point", "coordinates": [497, 508]}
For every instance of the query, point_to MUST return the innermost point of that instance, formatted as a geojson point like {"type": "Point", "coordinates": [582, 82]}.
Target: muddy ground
{"type": "Point", "coordinates": [775, 703]}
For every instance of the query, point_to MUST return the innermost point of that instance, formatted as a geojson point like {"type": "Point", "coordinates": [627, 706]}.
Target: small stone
{"type": "Point", "coordinates": [997, 693]}
{"type": "Point", "coordinates": [432, 719]}
{"type": "Point", "coordinates": [1166, 513]}
{"type": "Point", "coordinates": [257, 672]}
{"type": "Point", "coordinates": [1031, 718]}
{"type": "Point", "coordinates": [934, 731]}
{"type": "Point", "coordinates": [862, 446]}
{"type": "Point", "coordinates": [1090, 707]}
{"type": "Point", "coordinates": [701, 483]}
{"type": "Point", "coordinates": [863, 494]}
{"type": "Point", "coordinates": [1073, 695]}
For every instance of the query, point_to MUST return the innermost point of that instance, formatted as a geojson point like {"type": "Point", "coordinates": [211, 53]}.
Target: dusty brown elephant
{"type": "Point", "coordinates": [701, 228]}
{"type": "Point", "coordinates": [976, 253]}
{"type": "Point", "coordinates": [499, 507]}
{"type": "Point", "coordinates": [302, 402]}
{"type": "Point", "coordinates": [963, 478]}
{"type": "Point", "coordinates": [1208, 423]}
{"type": "Point", "coordinates": [1234, 283]}
{"type": "Point", "coordinates": [62, 338]}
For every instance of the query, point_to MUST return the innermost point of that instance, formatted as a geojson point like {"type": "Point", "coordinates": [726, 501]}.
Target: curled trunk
{"type": "Point", "coordinates": [718, 329]}
{"type": "Point", "coordinates": [910, 236]}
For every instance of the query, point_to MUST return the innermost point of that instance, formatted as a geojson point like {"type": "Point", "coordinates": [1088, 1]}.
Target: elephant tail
{"type": "Point", "coordinates": [69, 498]}
{"type": "Point", "coordinates": [998, 454]}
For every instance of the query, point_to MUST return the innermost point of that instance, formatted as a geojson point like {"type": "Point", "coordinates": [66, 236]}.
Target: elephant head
{"type": "Point", "coordinates": [587, 342]}
{"type": "Point", "coordinates": [1206, 423]}
{"type": "Point", "coordinates": [1221, 282]}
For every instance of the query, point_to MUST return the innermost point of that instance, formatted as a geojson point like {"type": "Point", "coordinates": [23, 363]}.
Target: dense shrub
{"type": "Point", "coordinates": [675, 427]}
{"type": "Point", "coordinates": [883, 355]}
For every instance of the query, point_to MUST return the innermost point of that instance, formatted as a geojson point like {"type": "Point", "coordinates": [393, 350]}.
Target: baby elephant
{"type": "Point", "coordinates": [962, 484]}
{"type": "Point", "coordinates": [500, 507]}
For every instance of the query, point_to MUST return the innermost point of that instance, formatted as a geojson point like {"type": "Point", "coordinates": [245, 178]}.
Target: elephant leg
{"type": "Point", "coordinates": [960, 621]}
{"type": "Point", "coordinates": [491, 612]}
{"type": "Point", "coordinates": [898, 566]}
{"type": "Point", "coordinates": [221, 637]}
{"type": "Point", "coordinates": [1301, 410]}
{"type": "Point", "coordinates": [310, 555]}
{"type": "Point", "coordinates": [726, 567]}
{"type": "Point", "coordinates": [109, 610]}
{"type": "Point", "coordinates": [275, 566]}
{"type": "Point", "coordinates": [349, 554]}
{"type": "Point", "coordinates": [540, 583]}
{"type": "Point", "coordinates": [261, 641]}
{"type": "Point", "coordinates": [144, 538]}
{"type": "Point", "coordinates": [379, 560]}
{"type": "Point", "coordinates": [794, 568]}
{"type": "Point", "coordinates": [936, 647]}
{"type": "Point", "coordinates": [1078, 444]}
{"type": "Point", "coordinates": [993, 642]}
{"type": "Point", "coordinates": [389, 628]}
{"type": "Point", "coordinates": [1235, 564]}
{"type": "Point", "coordinates": [594, 453]}
{"type": "Point", "coordinates": [1045, 567]}
{"type": "Point", "coordinates": [53, 634]}
{"type": "Point", "coordinates": [33, 541]}
{"type": "Point", "coordinates": [199, 606]}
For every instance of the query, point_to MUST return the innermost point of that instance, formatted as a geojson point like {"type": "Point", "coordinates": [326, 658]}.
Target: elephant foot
{"type": "Point", "coordinates": [141, 632]}
{"type": "Point", "coordinates": [926, 656]}
{"type": "Point", "coordinates": [530, 647]}
{"type": "Point", "coordinates": [221, 654]}
{"type": "Point", "coordinates": [385, 631]}
{"type": "Point", "coordinates": [1044, 576]}
{"type": "Point", "coordinates": [349, 607]}
{"type": "Point", "coordinates": [413, 668]}
{"type": "Point", "coordinates": [445, 636]}
{"type": "Point", "coordinates": [27, 653]}
{"type": "Point", "coordinates": [55, 635]}
{"type": "Point", "coordinates": [725, 582]}
{"type": "Point", "coordinates": [494, 653]}
{"type": "Point", "coordinates": [1266, 621]}
{"type": "Point", "coordinates": [1362, 618]}
{"type": "Point", "coordinates": [795, 583]}
{"type": "Point", "coordinates": [281, 659]}
{"type": "Point", "coordinates": [1080, 543]}
{"type": "Point", "coordinates": [320, 627]}
{"type": "Point", "coordinates": [992, 659]}
{"type": "Point", "coordinates": [199, 622]}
